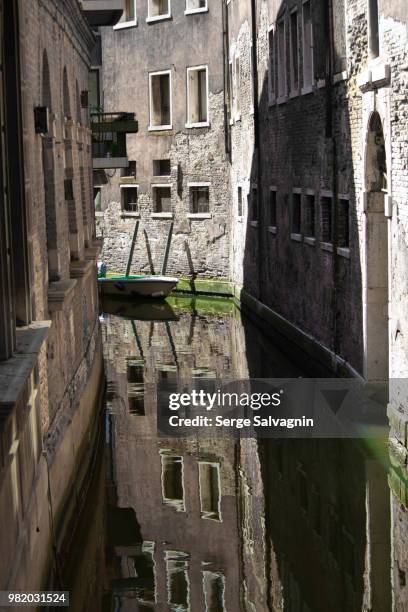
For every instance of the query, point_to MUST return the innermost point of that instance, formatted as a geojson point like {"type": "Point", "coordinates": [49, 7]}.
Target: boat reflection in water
{"type": "Point", "coordinates": [220, 524]}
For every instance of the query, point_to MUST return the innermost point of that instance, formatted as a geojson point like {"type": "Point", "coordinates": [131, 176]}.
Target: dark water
{"type": "Point", "coordinates": [223, 525]}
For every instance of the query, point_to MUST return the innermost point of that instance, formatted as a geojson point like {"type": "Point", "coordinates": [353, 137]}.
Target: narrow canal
{"type": "Point", "coordinates": [195, 525]}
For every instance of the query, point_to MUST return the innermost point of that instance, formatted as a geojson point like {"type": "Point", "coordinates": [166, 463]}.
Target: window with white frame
{"type": "Point", "coordinates": [210, 490]}
{"type": "Point", "coordinates": [214, 591]}
{"type": "Point", "coordinates": [172, 479]}
{"type": "Point", "coordinates": [129, 198]}
{"type": "Point", "coordinates": [237, 75]}
{"type": "Point", "coordinates": [281, 45]}
{"type": "Point", "coordinates": [197, 96]}
{"type": "Point", "coordinates": [307, 31]}
{"type": "Point", "coordinates": [161, 198]}
{"type": "Point", "coordinates": [294, 52]}
{"type": "Point", "coordinates": [199, 198]}
{"type": "Point", "coordinates": [160, 100]}
{"type": "Point", "coordinates": [231, 88]}
{"type": "Point", "coordinates": [158, 9]}
{"type": "Point", "coordinates": [196, 6]}
{"type": "Point", "coordinates": [128, 17]}
{"type": "Point", "coordinates": [271, 65]}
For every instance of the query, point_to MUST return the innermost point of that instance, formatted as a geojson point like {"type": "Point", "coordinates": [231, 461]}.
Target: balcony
{"type": "Point", "coordinates": [103, 12]}
{"type": "Point", "coordinates": [109, 139]}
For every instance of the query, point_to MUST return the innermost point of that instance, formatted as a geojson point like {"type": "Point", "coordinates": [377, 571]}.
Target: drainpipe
{"type": "Point", "coordinates": [227, 93]}
{"type": "Point", "coordinates": [257, 153]}
{"type": "Point", "coordinates": [330, 133]}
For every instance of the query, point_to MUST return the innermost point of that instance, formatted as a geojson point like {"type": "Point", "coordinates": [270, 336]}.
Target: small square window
{"type": "Point", "coordinates": [240, 207]}
{"type": "Point", "coordinates": [199, 199]}
{"type": "Point", "coordinates": [296, 213]}
{"type": "Point", "coordinates": [130, 171]}
{"type": "Point", "coordinates": [130, 197]}
{"type": "Point", "coordinates": [161, 167]}
{"type": "Point", "coordinates": [161, 199]}
{"type": "Point", "coordinates": [326, 219]}
{"type": "Point", "coordinates": [310, 215]}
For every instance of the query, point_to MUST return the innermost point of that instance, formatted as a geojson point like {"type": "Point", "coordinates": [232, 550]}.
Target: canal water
{"type": "Point", "coordinates": [195, 525]}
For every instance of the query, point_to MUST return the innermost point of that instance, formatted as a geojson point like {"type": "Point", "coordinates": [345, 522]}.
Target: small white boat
{"type": "Point", "coordinates": [137, 286]}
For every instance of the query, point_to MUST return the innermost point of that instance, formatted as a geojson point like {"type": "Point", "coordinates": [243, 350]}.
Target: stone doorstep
{"type": "Point", "coordinates": [59, 293]}
{"type": "Point", "coordinates": [15, 372]}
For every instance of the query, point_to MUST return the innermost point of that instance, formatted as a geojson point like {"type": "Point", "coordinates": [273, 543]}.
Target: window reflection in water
{"type": "Point", "coordinates": [214, 591]}
{"type": "Point", "coordinates": [172, 475]}
{"type": "Point", "coordinates": [178, 585]}
{"type": "Point", "coordinates": [210, 490]}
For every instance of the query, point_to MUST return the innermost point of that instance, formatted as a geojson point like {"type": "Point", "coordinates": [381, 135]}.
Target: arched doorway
{"type": "Point", "coordinates": [375, 289]}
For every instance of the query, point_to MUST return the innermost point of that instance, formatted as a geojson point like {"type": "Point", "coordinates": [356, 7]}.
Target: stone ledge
{"type": "Point", "coordinates": [81, 268]}
{"type": "Point", "coordinates": [59, 293]}
{"type": "Point", "coordinates": [15, 372]}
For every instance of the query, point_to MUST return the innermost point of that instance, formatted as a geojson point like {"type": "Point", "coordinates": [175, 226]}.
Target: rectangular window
{"type": "Point", "coordinates": [326, 203]}
{"type": "Point", "coordinates": [273, 216]}
{"type": "Point", "coordinates": [161, 198]}
{"type": "Point", "coordinates": [130, 171]}
{"type": "Point", "coordinates": [199, 199]}
{"type": "Point", "coordinates": [68, 189]}
{"type": "Point", "coordinates": [343, 225]}
{"type": "Point", "coordinates": [271, 66]}
{"type": "Point", "coordinates": [197, 96]}
{"type": "Point", "coordinates": [97, 193]}
{"type": "Point", "coordinates": [129, 198]}
{"type": "Point", "coordinates": [158, 9]}
{"type": "Point", "coordinates": [240, 208]}
{"type": "Point", "coordinates": [307, 28]}
{"type": "Point", "coordinates": [161, 167]}
{"type": "Point", "coordinates": [128, 17]}
{"type": "Point", "coordinates": [254, 204]}
{"type": "Point", "coordinates": [94, 90]}
{"type": "Point", "coordinates": [237, 88]}
{"type": "Point", "coordinates": [196, 6]}
{"type": "Point", "coordinates": [210, 490]}
{"type": "Point", "coordinates": [214, 591]}
{"type": "Point", "coordinates": [172, 475]}
{"type": "Point", "coordinates": [160, 100]}
{"type": "Point", "coordinates": [231, 89]}
{"type": "Point", "coordinates": [296, 213]}
{"type": "Point", "coordinates": [142, 565]}
{"type": "Point", "coordinates": [178, 584]}
{"type": "Point", "coordinates": [294, 52]}
{"type": "Point", "coordinates": [310, 215]}
{"type": "Point", "coordinates": [281, 59]}
{"type": "Point", "coordinates": [135, 379]}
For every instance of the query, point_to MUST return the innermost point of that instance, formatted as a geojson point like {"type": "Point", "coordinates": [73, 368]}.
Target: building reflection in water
{"type": "Point", "coordinates": [222, 525]}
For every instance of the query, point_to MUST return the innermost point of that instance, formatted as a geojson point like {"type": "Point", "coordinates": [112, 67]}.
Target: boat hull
{"type": "Point", "coordinates": [147, 286]}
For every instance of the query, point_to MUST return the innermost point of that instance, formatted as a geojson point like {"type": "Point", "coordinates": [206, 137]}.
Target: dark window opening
{"type": "Point", "coordinates": [239, 201]}
{"type": "Point", "coordinates": [130, 199]}
{"type": "Point", "coordinates": [161, 167]}
{"type": "Point", "coordinates": [162, 199]}
{"type": "Point", "coordinates": [294, 52]}
{"type": "Point", "coordinates": [130, 171]}
{"type": "Point", "coordinates": [310, 215]}
{"type": "Point", "coordinates": [68, 189]}
{"type": "Point", "coordinates": [160, 100]}
{"type": "Point", "coordinates": [200, 199]}
{"type": "Point", "coordinates": [254, 203]}
{"type": "Point", "coordinates": [343, 224]}
{"type": "Point", "coordinates": [296, 213]}
{"type": "Point", "coordinates": [326, 219]}
{"type": "Point", "coordinates": [272, 208]}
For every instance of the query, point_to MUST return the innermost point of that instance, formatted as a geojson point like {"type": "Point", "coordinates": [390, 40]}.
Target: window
{"type": "Point", "coordinates": [210, 490]}
{"type": "Point", "coordinates": [129, 198]}
{"type": "Point", "coordinates": [231, 90]}
{"type": "Point", "coordinates": [142, 565]}
{"type": "Point", "coordinates": [240, 208]}
{"type": "Point", "coordinates": [178, 584]}
{"type": "Point", "coordinates": [294, 52]}
{"type": "Point", "coordinates": [271, 66]}
{"type": "Point", "coordinates": [128, 16]}
{"type": "Point", "coordinates": [160, 100]}
{"type": "Point", "coordinates": [130, 171]}
{"type": "Point", "coordinates": [161, 167]}
{"type": "Point", "coordinates": [310, 215]}
{"type": "Point", "coordinates": [197, 96]}
{"type": "Point", "coordinates": [326, 219]}
{"type": "Point", "coordinates": [68, 189]}
{"type": "Point", "coordinates": [172, 475]}
{"type": "Point", "coordinates": [214, 591]}
{"type": "Point", "coordinates": [196, 6]}
{"type": "Point", "coordinates": [281, 59]}
{"type": "Point", "coordinates": [296, 214]}
{"type": "Point", "coordinates": [253, 204]}
{"type": "Point", "coordinates": [161, 198]}
{"type": "Point", "coordinates": [237, 88]}
{"type": "Point", "coordinates": [94, 90]}
{"type": "Point", "coordinates": [158, 9]}
{"type": "Point", "coordinates": [199, 199]}
{"type": "Point", "coordinates": [273, 207]}
{"type": "Point", "coordinates": [343, 237]}
{"type": "Point", "coordinates": [97, 194]}
{"type": "Point", "coordinates": [135, 378]}
{"type": "Point", "coordinates": [307, 47]}
{"type": "Point", "coordinates": [373, 38]}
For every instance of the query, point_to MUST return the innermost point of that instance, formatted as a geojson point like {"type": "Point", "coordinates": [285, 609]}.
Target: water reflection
{"type": "Point", "coordinates": [222, 525]}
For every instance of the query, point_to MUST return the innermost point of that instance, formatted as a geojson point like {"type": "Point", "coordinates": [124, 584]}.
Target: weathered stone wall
{"type": "Point", "coordinates": [199, 245]}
